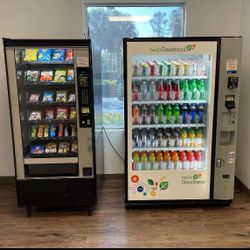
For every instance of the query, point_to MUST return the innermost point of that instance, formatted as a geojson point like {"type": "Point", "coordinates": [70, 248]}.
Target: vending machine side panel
{"type": "Point", "coordinates": [15, 113]}
{"type": "Point", "coordinates": [227, 118]}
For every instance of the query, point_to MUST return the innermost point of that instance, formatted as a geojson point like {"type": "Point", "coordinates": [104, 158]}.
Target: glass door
{"type": "Point", "coordinates": [46, 93]}
{"type": "Point", "coordinates": [170, 103]}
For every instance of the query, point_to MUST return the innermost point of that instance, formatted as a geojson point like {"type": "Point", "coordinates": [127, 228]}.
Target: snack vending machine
{"type": "Point", "coordinates": [52, 116]}
{"type": "Point", "coordinates": [181, 113]}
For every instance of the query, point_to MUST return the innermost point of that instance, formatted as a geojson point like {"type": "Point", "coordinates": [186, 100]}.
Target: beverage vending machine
{"type": "Point", "coordinates": [52, 118]}
{"type": "Point", "coordinates": [181, 114]}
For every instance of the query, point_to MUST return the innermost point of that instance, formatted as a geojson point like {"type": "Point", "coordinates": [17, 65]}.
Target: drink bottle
{"type": "Point", "coordinates": [192, 113]}
{"type": "Point", "coordinates": [201, 88]}
{"type": "Point", "coordinates": [199, 139]}
{"type": "Point", "coordinates": [177, 138]}
{"type": "Point", "coordinates": [184, 89]}
{"type": "Point", "coordinates": [171, 141]}
{"type": "Point", "coordinates": [160, 90]}
{"type": "Point", "coordinates": [168, 113]}
{"type": "Point", "coordinates": [144, 69]}
{"type": "Point", "coordinates": [176, 113]}
{"type": "Point", "coordinates": [159, 138]}
{"type": "Point", "coordinates": [184, 138]}
{"type": "Point", "coordinates": [200, 113]}
{"type": "Point", "coordinates": [159, 159]}
{"type": "Point", "coordinates": [144, 90]}
{"type": "Point", "coordinates": [152, 68]}
{"type": "Point", "coordinates": [136, 115]}
{"type": "Point", "coordinates": [152, 116]}
{"type": "Point", "coordinates": [190, 158]}
{"type": "Point", "coordinates": [191, 138]}
{"type": "Point", "coordinates": [184, 113]}
{"type": "Point", "coordinates": [152, 140]}
{"type": "Point", "coordinates": [143, 139]}
{"type": "Point", "coordinates": [136, 161]}
{"type": "Point", "coordinates": [152, 91]}
{"type": "Point", "coordinates": [160, 114]}
{"type": "Point", "coordinates": [175, 90]}
{"type": "Point", "coordinates": [168, 135]}
{"type": "Point", "coordinates": [192, 88]}
{"type": "Point", "coordinates": [136, 141]}
{"type": "Point", "coordinates": [151, 159]}
{"type": "Point", "coordinates": [144, 160]}
{"type": "Point", "coordinates": [166, 159]}
{"type": "Point", "coordinates": [144, 114]}
{"type": "Point", "coordinates": [175, 159]}
{"type": "Point", "coordinates": [135, 70]}
{"type": "Point", "coordinates": [167, 89]}
{"type": "Point", "coordinates": [136, 94]}
{"type": "Point", "coordinates": [183, 159]}
{"type": "Point", "coordinates": [198, 159]}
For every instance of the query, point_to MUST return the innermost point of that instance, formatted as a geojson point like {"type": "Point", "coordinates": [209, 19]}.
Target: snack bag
{"type": "Point", "coordinates": [30, 55]}
{"type": "Point", "coordinates": [46, 131]}
{"type": "Point", "coordinates": [72, 97]}
{"type": "Point", "coordinates": [72, 113]}
{"type": "Point", "coordinates": [37, 150]}
{"type": "Point", "coordinates": [62, 114]}
{"type": "Point", "coordinates": [63, 147]}
{"type": "Point", "coordinates": [34, 98]}
{"type": "Point", "coordinates": [49, 114]}
{"type": "Point", "coordinates": [74, 147]}
{"type": "Point", "coordinates": [61, 96]}
{"type": "Point", "coordinates": [66, 131]}
{"type": "Point", "coordinates": [60, 130]}
{"type": "Point", "coordinates": [58, 55]}
{"type": "Point", "coordinates": [35, 115]}
{"type": "Point", "coordinates": [70, 75]}
{"type": "Point", "coordinates": [40, 131]}
{"type": "Point", "coordinates": [73, 130]}
{"type": "Point", "coordinates": [32, 75]}
{"type": "Point", "coordinates": [69, 55]}
{"type": "Point", "coordinates": [44, 55]}
{"type": "Point", "coordinates": [50, 148]}
{"type": "Point", "coordinates": [60, 76]}
{"type": "Point", "coordinates": [46, 76]}
{"type": "Point", "coordinates": [52, 131]}
{"type": "Point", "coordinates": [33, 132]}
{"type": "Point", "coordinates": [47, 96]}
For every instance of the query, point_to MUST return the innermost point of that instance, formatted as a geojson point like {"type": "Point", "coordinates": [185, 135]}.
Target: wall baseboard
{"type": "Point", "coordinates": [4, 180]}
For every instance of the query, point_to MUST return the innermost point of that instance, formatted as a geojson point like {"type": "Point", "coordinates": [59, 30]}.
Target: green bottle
{"type": "Point", "coordinates": [168, 113]}
{"type": "Point", "coordinates": [176, 113]}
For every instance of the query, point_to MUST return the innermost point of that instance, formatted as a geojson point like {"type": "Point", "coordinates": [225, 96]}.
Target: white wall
{"type": "Point", "coordinates": [243, 162]}
{"type": "Point", "coordinates": [31, 19]}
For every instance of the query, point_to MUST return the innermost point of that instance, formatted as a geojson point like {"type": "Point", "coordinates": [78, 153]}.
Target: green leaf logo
{"type": "Point", "coordinates": [195, 176]}
{"type": "Point", "coordinates": [164, 185]}
{"type": "Point", "coordinates": [150, 182]}
{"type": "Point", "coordinates": [189, 47]}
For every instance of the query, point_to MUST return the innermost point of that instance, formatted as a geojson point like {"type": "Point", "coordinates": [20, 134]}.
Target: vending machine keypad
{"type": "Point", "coordinates": [84, 100]}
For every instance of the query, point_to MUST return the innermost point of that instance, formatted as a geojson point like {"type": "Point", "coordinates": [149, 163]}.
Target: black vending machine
{"type": "Point", "coordinates": [50, 90]}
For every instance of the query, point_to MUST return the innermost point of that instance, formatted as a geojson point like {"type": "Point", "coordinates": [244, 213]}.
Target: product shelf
{"type": "Point", "coordinates": [54, 139]}
{"type": "Point", "coordinates": [169, 149]}
{"type": "Point", "coordinates": [170, 102]}
{"type": "Point", "coordinates": [50, 104]}
{"type": "Point", "coordinates": [38, 122]}
{"type": "Point", "coordinates": [198, 125]}
{"type": "Point", "coordinates": [167, 77]}
{"type": "Point", "coordinates": [49, 84]}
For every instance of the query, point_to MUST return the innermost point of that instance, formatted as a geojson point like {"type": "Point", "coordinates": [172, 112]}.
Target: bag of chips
{"type": "Point", "coordinates": [69, 55]}
{"type": "Point", "coordinates": [46, 76]}
{"type": "Point", "coordinates": [30, 55]}
{"type": "Point", "coordinates": [73, 130]}
{"type": "Point", "coordinates": [33, 132]}
{"type": "Point", "coordinates": [52, 131]}
{"type": "Point", "coordinates": [40, 131]}
{"type": "Point", "coordinates": [50, 148]}
{"type": "Point", "coordinates": [62, 113]}
{"type": "Point", "coordinates": [35, 115]}
{"type": "Point", "coordinates": [46, 131]}
{"type": "Point", "coordinates": [72, 97]}
{"type": "Point", "coordinates": [47, 96]}
{"type": "Point", "coordinates": [32, 75]}
{"type": "Point", "coordinates": [63, 147]}
{"type": "Point", "coordinates": [72, 113]}
{"type": "Point", "coordinates": [58, 55]}
{"type": "Point", "coordinates": [60, 76]}
{"type": "Point", "coordinates": [37, 150]}
{"type": "Point", "coordinates": [44, 55]}
{"type": "Point", "coordinates": [70, 75]}
{"type": "Point", "coordinates": [49, 114]}
{"type": "Point", "coordinates": [34, 98]}
{"type": "Point", "coordinates": [74, 147]}
{"type": "Point", "coordinates": [60, 130]}
{"type": "Point", "coordinates": [61, 96]}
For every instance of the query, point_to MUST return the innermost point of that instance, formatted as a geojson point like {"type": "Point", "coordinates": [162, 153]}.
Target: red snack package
{"type": "Point", "coordinates": [69, 55]}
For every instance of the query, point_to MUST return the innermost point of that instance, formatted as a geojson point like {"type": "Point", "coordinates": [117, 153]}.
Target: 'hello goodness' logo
{"type": "Point", "coordinates": [164, 49]}
{"type": "Point", "coordinates": [192, 179]}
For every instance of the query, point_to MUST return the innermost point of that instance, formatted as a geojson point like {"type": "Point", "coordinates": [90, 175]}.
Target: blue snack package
{"type": "Point", "coordinates": [44, 55]}
{"type": "Point", "coordinates": [37, 150]}
{"type": "Point", "coordinates": [70, 75]}
{"type": "Point", "coordinates": [47, 96]}
{"type": "Point", "coordinates": [52, 131]}
{"type": "Point", "coordinates": [58, 55]}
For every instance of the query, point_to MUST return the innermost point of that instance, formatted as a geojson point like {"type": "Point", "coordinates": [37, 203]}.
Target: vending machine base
{"type": "Point", "coordinates": [63, 192]}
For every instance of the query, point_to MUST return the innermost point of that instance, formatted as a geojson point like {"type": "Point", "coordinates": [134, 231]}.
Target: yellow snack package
{"type": "Point", "coordinates": [30, 55]}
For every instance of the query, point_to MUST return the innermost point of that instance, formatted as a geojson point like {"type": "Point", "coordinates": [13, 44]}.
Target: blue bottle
{"type": "Point", "coordinates": [192, 112]}
{"type": "Point", "coordinates": [201, 113]}
{"type": "Point", "coordinates": [184, 113]}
